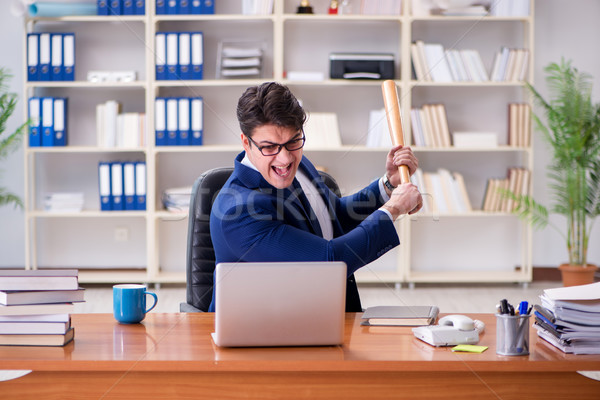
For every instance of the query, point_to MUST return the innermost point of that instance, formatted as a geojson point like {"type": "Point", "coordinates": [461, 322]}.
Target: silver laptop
{"type": "Point", "coordinates": [280, 304]}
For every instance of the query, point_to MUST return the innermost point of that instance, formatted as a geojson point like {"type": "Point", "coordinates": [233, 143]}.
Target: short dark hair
{"type": "Point", "coordinates": [269, 103]}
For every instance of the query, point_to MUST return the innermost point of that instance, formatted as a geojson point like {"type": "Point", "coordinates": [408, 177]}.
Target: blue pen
{"type": "Point", "coordinates": [523, 308]}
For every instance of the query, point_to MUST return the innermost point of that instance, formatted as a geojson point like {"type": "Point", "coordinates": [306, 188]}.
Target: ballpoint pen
{"type": "Point", "coordinates": [523, 308]}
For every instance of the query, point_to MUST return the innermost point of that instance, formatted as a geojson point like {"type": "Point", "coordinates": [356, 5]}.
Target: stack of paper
{"type": "Point", "coordinates": [63, 202]}
{"type": "Point", "coordinates": [35, 306]}
{"type": "Point", "coordinates": [569, 318]}
{"type": "Point", "coordinates": [240, 60]}
{"type": "Point", "coordinates": [177, 199]}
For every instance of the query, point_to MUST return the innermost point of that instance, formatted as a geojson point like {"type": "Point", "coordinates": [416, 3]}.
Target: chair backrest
{"type": "Point", "coordinates": [200, 258]}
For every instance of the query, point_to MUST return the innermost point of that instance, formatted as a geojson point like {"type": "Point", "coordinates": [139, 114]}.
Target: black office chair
{"type": "Point", "coordinates": [200, 258]}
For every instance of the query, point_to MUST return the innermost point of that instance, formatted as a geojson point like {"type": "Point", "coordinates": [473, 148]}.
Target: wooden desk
{"type": "Point", "coordinates": [172, 356]}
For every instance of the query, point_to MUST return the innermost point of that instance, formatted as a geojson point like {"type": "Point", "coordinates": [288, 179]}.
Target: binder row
{"type": "Point", "coordinates": [121, 7]}
{"type": "Point", "coordinates": [122, 185]}
{"type": "Point", "coordinates": [179, 55]}
{"type": "Point", "coordinates": [185, 7]}
{"type": "Point", "coordinates": [48, 121]}
{"type": "Point", "coordinates": [178, 121]}
{"type": "Point", "coordinates": [50, 56]}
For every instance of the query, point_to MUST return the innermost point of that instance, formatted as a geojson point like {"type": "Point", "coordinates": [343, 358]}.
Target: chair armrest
{"type": "Point", "coordinates": [186, 307]}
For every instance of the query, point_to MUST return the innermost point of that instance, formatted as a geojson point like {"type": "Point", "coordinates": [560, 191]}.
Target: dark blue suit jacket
{"type": "Point", "coordinates": [252, 221]}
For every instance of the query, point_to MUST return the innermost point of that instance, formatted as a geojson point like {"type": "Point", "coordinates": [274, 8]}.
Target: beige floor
{"type": "Point", "coordinates": [449, 298]}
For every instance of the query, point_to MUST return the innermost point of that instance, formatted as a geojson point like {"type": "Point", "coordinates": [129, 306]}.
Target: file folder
{"type": "Point", "coordinates": [172, 55]}
{"type": "Point", "coordinates": [69, 56]}
{"type": "Point", "coordinates": [172, 6]}
{"type": "Point", "coordinates": [47, 121]}
{"type": "Point", "coordinates": [104, 186]}
{"type": "Point", "coordinates": [115, 7]}
{"type": "Point", "coordinates": [172, 121]}
{"type": "Point", "coordinates": [102, 7]}
{"type": "Point", "coordinates": [161, 7]}
{"type": "Point", "coordinates": [195, 6]}
{"type": "Point", "coordinates": [183, 128]}
{"type": "Point", "coordinates": [140, 7]}
{"type": "Point", "coordinates": [35, 122]}
{"type": "Point", "coordinates": [44, 60]}
{"type": "Point", "coordinates": [184, 7]}
{"type": "Point", "coordinates": [197, 55]}
{"type": "Point", "coordinates": [116, 185]}
{"type": "Point", "coordinates": [197, 123]}
{"type": "Point", "coordinates": [60, 121]}
{"type": "Point", "coordinates": [129, 185]}
{"type": "Point", "coordinates": [56, 41]}
{"type": "Point", "coordinates": [185, 53]}
{"type": "Point", "coordinates": [160, 121]}
{"type": "Point", "coordinates": [128, 7]}
{"type": "Point", "coordinates": [140, 185]}
{"type": "Point", "coordinates": [160, 56]}
{"type": "Point", "coordinates": [33, 56]}
{"type": "Point", "coordinates": [208, 6]}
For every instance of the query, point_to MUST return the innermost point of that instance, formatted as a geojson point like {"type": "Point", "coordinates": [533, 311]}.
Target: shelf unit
{"type": "Point", "coordinates": [155, 251]}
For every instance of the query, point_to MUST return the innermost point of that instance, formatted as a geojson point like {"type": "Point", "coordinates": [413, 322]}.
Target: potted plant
{"type": "Point", "coordinates": [572, 129]}
{"type": "Point", "coordinates": [8, 144]}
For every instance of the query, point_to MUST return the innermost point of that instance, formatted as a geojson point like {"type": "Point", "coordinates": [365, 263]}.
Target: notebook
{"type": "Point", "coordinates": [279, 304]}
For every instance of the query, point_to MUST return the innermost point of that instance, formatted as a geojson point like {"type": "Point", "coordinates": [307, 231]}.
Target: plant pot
{"type": "Point", "coordinates": [574, 275]}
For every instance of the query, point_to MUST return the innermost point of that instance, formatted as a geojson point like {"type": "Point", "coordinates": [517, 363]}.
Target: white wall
{"type": "Point", "coordinates": [12, 236]}
{"type": "Point", "coordinates": [563, 29]}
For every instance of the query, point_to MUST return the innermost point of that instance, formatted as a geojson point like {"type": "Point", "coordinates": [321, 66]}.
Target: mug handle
{"type": "Point", "coordinates": [155, 300]}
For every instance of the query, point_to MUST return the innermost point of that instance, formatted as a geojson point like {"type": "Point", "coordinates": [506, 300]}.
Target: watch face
{"type": "Point", "coordinates": [387, 183]}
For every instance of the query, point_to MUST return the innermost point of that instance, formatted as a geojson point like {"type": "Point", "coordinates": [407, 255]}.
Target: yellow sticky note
{"type": "Point", "coordinates": [470, 348]}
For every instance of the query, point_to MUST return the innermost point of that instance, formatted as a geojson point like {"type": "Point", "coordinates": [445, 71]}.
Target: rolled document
{"type": "Point", "coordinates": [57, 9]}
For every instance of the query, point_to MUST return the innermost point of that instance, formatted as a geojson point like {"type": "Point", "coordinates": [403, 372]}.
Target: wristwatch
{"type": "Point", "coordinates": [387, 183]}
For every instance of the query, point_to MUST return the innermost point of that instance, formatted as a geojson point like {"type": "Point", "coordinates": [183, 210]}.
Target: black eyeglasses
{"type": "Point", "coordinates": [275, 148]}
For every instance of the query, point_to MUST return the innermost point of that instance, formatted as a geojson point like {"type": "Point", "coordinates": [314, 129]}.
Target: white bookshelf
{"type": "Point", "coordinates": [155, 251]}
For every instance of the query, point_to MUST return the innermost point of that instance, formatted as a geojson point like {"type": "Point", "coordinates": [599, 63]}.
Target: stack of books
{"type": "Point", "coordinates": [35, 306]}
{"type": "Point", "coordinates": [378, 134]}
{"type": "Point", "coordinates": [569, 318]}
{"type": "Point", "coordinates": [322, 131]}
{"type": "Point", "coordinates": [430, 126]}
{"type": "Point", "coordinates": [431, 63]}
{"type": "Point", "coordinates": [517, 183]}
{"type": "Point", "coordinates": [510, 65]}
{"type": "Point", "coordinates": [519, 124]}
{"type": "Point", "coordinates": [115, 129]}
{"type": "Point", "coordinates": [443, 191]}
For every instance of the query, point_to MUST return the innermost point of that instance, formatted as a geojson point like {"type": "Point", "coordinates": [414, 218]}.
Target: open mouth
{"type": "Point", "coordinates": [282, 171]}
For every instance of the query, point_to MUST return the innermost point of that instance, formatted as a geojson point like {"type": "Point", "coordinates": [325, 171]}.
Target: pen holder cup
{"type": "Point", "coordinates": [512, 335]}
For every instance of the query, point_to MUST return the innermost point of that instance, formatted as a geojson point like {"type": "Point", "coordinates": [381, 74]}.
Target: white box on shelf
{"type": "Point", "coordinates": [475, 139]}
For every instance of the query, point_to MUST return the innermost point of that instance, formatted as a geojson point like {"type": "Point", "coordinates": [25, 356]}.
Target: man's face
{"type": "Point", "coordinates": [279, 170]}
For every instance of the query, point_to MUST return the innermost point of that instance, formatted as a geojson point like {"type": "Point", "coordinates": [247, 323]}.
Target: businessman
{"type": "Point", "coordinates": [275, 206]}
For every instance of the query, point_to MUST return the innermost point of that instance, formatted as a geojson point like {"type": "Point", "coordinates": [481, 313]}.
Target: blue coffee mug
{"type": "Point", "coordinates": [129, 303]}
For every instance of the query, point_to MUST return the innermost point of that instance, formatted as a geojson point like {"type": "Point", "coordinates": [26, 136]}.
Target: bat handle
{"type": "Point", "coordinates": [404, 174]}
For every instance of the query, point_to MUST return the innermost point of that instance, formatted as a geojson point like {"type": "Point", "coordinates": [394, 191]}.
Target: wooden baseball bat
{"type": "Point", "coordinates": [392, 111]}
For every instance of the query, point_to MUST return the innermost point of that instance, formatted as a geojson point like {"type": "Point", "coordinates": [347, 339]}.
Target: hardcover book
{"type": "Point", "coordinates": [40, 279]}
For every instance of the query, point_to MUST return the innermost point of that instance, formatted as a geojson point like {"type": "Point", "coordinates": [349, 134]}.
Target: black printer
{"type": "Point", "coordinates": [361, 66]}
